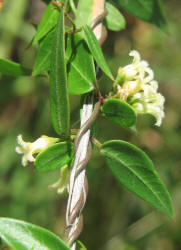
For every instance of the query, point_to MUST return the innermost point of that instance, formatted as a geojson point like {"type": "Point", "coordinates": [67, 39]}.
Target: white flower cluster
{"type": "Point", "coordinates": [139, 88]}
{"type": "Point", "coordinates": [29, 149]}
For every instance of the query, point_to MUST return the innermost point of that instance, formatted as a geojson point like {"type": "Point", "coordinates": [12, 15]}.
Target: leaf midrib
{"type": "Point", "coordinates": [40, 64]}
{"type": "Point", "coordinates": [72, 64]}
{"type": "Point", "coordinates": [80, 73]}
{"type": "Point", "coordinates": [144, 6]}
{"type": "Point", "coordinates": [57, 40]}
{"type": "Point", "coordinates": [104, 66]}
{"type": "Point", "coordinates": [131, 170]}
{"type": "Point", "coordinates": [54, 158]}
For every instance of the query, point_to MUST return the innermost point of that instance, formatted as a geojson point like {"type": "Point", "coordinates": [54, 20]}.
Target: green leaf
{"type": "Point", "coordinates": [119, 112]}
{"type": "Point", "coordinates": [59, 100]}
{"type": "Point", "coordinates": [54, 157]}
{"type": "Point", "coordinates": [114, 20]}
{"type": "Point", "coordinates": [80, 245]}
{"type": "Point", "coordinates": [48, 22]}
{"type": "Point", "coordinates": [149, 11]}
{"type": "Point", "coordinates": [96, 51]}
{"type": "Point", "coordinates": [12, 69]}
{"type": "Point", "coordinates": [81, 70]}
{"type": "Point", "coordinates": [25, 236]}
{"type": "Point", "coordinates": [42, 62]}
{"type": "Point", "coordinates": [80, 65]}
{"type": "Point", "coordinates": [84, 12]}
{"type": "Point", "coordinates": [43, 57]}
{"type": "Point", "coordinates": [135, 171]}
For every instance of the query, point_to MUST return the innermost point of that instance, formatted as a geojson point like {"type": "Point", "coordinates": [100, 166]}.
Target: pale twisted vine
{"type": "Point", "coordinates": [73, 218]}
{"type": "Point", "coordinates": [78, 186]}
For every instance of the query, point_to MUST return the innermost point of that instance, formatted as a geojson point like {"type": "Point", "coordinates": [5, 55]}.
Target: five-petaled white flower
{"type": "Point", "coordinates": [135, 84]}
{"type": "Point", "coordinates": [29, 149]}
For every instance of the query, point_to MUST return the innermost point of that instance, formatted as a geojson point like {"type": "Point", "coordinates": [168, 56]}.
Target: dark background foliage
{"type": "Point", "coordinates": [114, 218]}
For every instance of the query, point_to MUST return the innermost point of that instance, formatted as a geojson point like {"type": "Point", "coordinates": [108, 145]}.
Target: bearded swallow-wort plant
{"type": "Point", "coordinates": [70, 55]}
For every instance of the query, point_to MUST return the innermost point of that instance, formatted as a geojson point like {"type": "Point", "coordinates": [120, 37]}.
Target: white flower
{"type": "Point", "coordinates": [126, 74]}
{"type": "Point", "coordinates": [128, 89]}
{"type": "Point", "coordinates": [138, 69]}
{"type": "Point", "coordinates": [135, 83]}
{"type": "Point", "coordinates": [134, 76]}
{"type": "Point", "coordinates": [150, 102]}
{"type": "Point", "coordinates": [28, 149]}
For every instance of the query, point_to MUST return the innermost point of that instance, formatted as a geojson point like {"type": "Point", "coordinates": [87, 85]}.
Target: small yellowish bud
{"type": "Point", "coordinates": [29, 149]}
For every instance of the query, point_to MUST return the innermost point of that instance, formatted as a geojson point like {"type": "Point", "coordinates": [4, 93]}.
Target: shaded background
{"type": "Point", "coordinates": [113, 217]}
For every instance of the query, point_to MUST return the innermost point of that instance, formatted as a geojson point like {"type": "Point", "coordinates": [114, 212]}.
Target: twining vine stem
{"type": "Point", "coordinates": [78, 185]}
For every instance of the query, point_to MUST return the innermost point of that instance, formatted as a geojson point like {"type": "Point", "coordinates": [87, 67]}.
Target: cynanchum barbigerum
{"type": "Point", "coordinates": [135, 84]}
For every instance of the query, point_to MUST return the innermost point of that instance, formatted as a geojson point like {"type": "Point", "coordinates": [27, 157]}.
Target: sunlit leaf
{"type": "Point", "coordinates": [81, 70]}
{"type": "Point", "coordinates": [114, 20]}
{"type": "Point", "coordinates": [59, 100]}
{"type": "Point", "coordinates": [135, 171]}
{"type": "Point", "coordinates": [25, 236]}
{"type": "Point", "coordinates": [119, 112]}
{"type": "Point", "coordinates": [96, 51]}
{"type": "Point", "coordinates": [42, 62]}
{"type": "Point", "coordinates": [48, 22]}
{"type": "Point", "coordinates": [54, 157]}
{"type": "Point", "coordinates": [80, 65]}
{"type": "Point", "coordinates": [84, 12]}
{"type": "Point", "coordinates": [10, 68]}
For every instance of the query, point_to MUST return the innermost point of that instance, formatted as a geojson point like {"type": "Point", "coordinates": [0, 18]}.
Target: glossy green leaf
{"type": "Point", "coordinates": [48, 22]}
{"type": "Point", "coordinates": [43, 58]}
{"type": "Point", "coordinates": [25, 236]}
{"type": "Point", "coordinates": [96, 51]}
{"type": "Point", "coordinates": [10, 68]}
{"type": "Point", "coordinates": [42, 62]}
{"type": "Point", "coordinates": [84, 12]}
{"type": "Point", "coordinates": [149, 11]}
{"type": "Point", "coordinates": [80, 66]}
{"type": "Point", "coordinates": [135, 171]}
{"type": "Point", "coordinates": [59, 100]}
{"type": "Point", "coordinates": [80, 245]}
{"type": "Point", "coordinates": [119, 112]}
{"type": "Point", "coordinates": [54, 157]}
{"type": "Point", "coordinates": [114, 20]}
